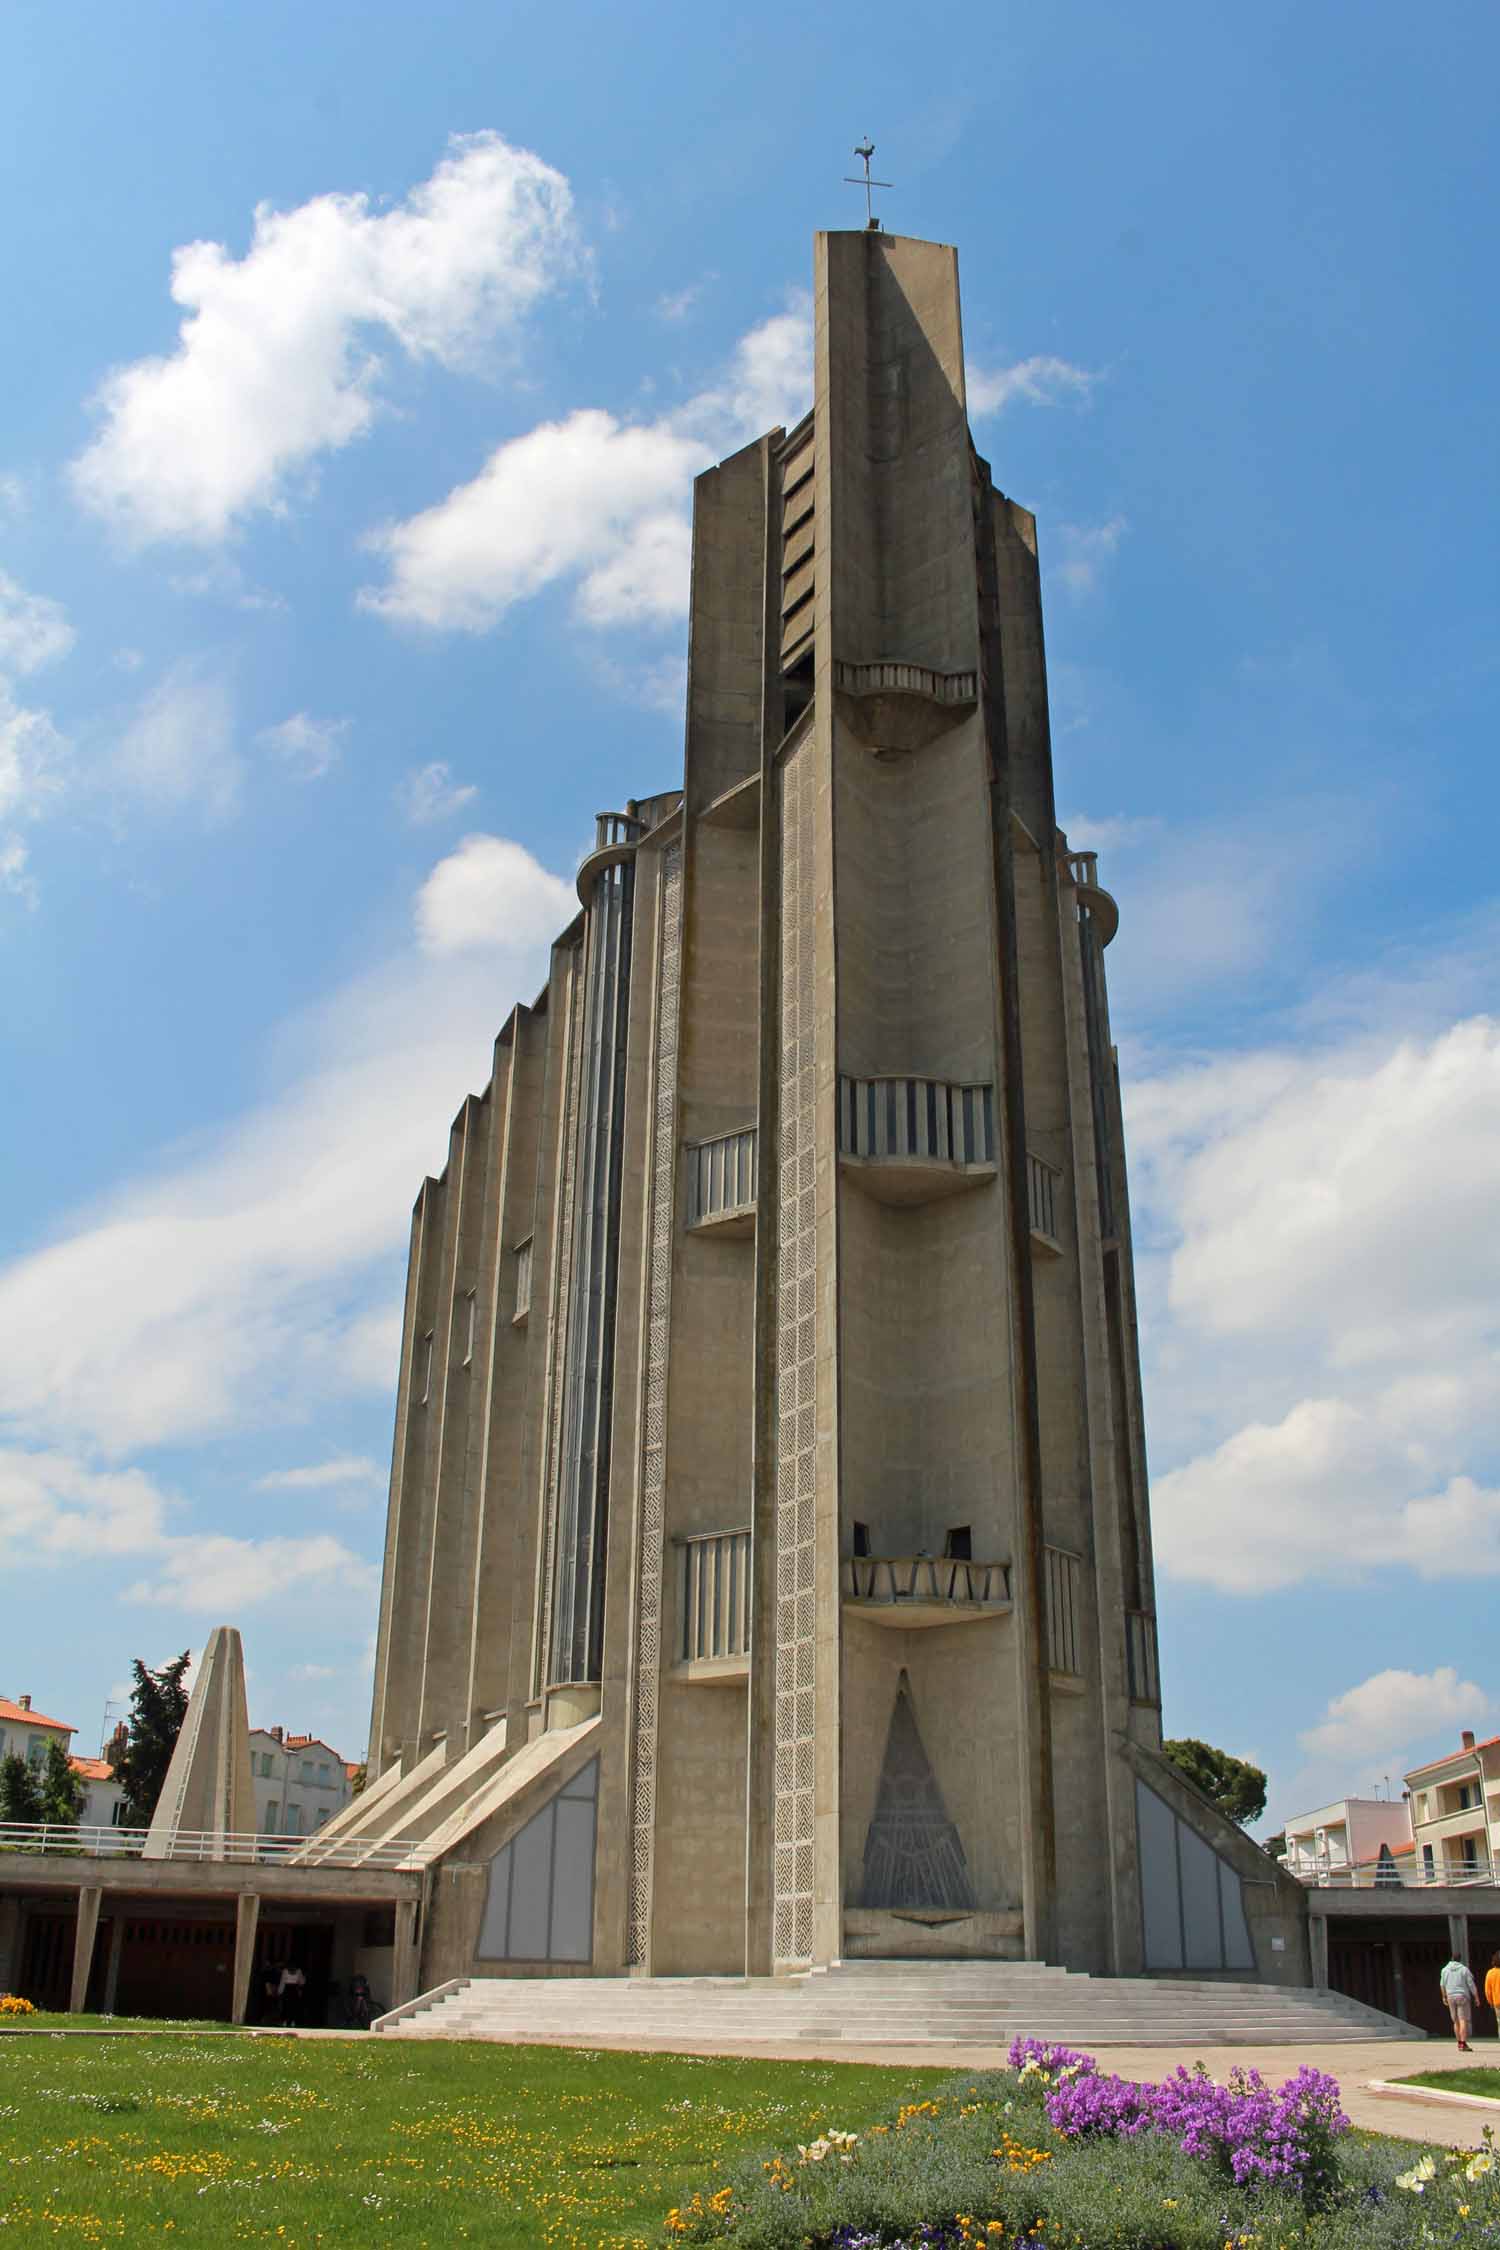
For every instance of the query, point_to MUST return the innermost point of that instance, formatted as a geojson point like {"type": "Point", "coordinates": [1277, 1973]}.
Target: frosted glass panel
{"type": "Point", "coordinates": [540, 1902]}
{"type": "Point", "coordinates": [573, 1882]}
{"type": "Point", "coordinates": [1160, 1901]}
{"type": "Point", "coordinates": [1200, 1901]}
{"type": "Point", "coordinates": [531, 1889]}
{"type": "Point", "coordinates": [1239, 1953]}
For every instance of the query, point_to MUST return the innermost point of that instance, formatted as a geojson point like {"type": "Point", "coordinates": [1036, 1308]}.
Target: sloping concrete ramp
{"type": "Point", "coordinates": [881, 2003]}
{"type": "Point", "coordinates": [436, 1805]}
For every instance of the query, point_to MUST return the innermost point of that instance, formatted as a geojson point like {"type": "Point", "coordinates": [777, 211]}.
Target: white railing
{"type": "Point", "coordinates": [715, 1595]}
{"type": "Point", "coordinates": [1041, 1184]}
{"type": "Point", "coordinates": [721, 1176]}
{"type": "Point", "coordinates": [928, 1117]}
{"type": "Point", "coordinates": [926, 1578]}
{"type": "Point", "coordinates": [1383, 1874]}
{"type": "Point", "coordinates": [204, 1845]}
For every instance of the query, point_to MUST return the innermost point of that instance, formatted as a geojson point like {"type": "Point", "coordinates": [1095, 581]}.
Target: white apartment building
{"type": "Point", "coordinates": [300, 1782]}
{"type": "Point", "coordinates": [1455, 1813]}
{"type": "Point", "coordinates": [25, 1733]}
{"type": "Point", "coordinates": [1357, 1842]}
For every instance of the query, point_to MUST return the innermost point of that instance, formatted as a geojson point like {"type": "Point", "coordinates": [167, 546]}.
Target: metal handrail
{"type": "Point", "coordinates": [1373, 1875]}
{"type": "Point", "coordinates": [204, 1844]}
{"type": "Point", "coordinates": [925, 1578]}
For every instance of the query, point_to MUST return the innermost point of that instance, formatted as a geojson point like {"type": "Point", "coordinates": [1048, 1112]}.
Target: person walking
{"type": "Point", "coordinates": [292, 1986]}
{"type": "Point", "coordinates": [1460, 1992]}
{"type": "Point", "coordinates": [1492, 1989]}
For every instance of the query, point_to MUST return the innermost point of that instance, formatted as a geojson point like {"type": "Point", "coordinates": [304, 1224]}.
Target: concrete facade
{"type": "Point", "coordinates": [768, 1570]}
{"type": "Point", "coordinates": [1455, 1813]}
{"type": "Point", "coordinates": [299, 1783]}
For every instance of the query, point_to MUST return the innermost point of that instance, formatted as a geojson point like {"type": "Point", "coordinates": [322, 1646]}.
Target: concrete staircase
{"type": "Point", "coordinates": [891, 2003]}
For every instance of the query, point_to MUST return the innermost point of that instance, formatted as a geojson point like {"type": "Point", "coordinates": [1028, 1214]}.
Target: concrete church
{"type": "Point", "coordinates": [768, 1576]}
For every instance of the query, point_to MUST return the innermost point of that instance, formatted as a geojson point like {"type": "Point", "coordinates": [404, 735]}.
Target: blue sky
{"type": "Point", "coordinates": [360, 361]}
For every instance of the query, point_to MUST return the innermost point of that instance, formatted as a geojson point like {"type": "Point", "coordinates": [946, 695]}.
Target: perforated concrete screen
{"type": "Point", "coordinates": [1192, 1908]}
{"type": "Point", "coordinates": [540, 1902]}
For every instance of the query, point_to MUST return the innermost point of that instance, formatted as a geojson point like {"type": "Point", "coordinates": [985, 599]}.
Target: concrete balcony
{"type": "Point", "coordinates": [1102, 910]}
{"type": "Point", "coordinates": [915, 1140]}
{"type": "Point", "coordinates": [914, 1590]}
{"type": "Point", "coordinates": [721, 1182]}
{"type": "Point", "coordinates": [713, 1647]}
{"type": "Point", "coordinates": [616, 836]}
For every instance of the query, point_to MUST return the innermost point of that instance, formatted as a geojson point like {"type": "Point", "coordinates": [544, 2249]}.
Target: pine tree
{"type": "Point", "coordinates": [158, 1703]}
{"type": "Point", "coordinates": [62, 1789]}
{"type": "Point", "coordinates": [1233, 1784]}
{"type": "Point", "coordinates": [20, 1795]}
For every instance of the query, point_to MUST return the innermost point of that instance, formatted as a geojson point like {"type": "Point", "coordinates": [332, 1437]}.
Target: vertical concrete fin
{"type": "Point", "coordinates": [208, 1786]}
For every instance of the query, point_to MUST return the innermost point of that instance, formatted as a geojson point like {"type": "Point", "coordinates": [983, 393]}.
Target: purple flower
{"type": "Point", "coordinates": [1253, 2132]}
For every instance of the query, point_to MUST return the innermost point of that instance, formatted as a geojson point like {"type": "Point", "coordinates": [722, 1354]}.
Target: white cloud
{"type": "Point", "coordinates": [592, 499]}
{"type": "Point", "coordinates": [1315, 1235]}
{"type": "Point", "coordinates": [276, 360]}
{"type": "Point", "coordinates": [246, 1283]}
{"type": "Point", "coordinates": [178, 752]}
{"type": "Point", "coordinates": [676, 304]}
{"type": "Point", "coordinates": [1392, 1710]}
{"type": "Point", "coordinates": [1039, 381]}
{"type": "Point", "coordinates": [348, 1468]}
{"type": "Point", "coordinates": [34, 629]}
{"type": "Point", "coordinates": [1085, 549]}
{"type": "Point", "coordinates": [430, 793]}
{"type": "Point", "coordinates": [310, 747]}
{"type": "Point", "coordinates": [57, 1511]}
{"type": "Point", "coordinates": [491, 892]}
{"type": "Point", "coordinates": [14, 862]}
{"type": "Point", "coordinates": [33, 757]}
{"type": "Point", "coordinates": [13, 497]}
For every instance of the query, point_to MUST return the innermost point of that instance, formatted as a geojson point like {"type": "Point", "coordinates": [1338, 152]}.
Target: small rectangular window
{"type": "Point", "coordinates": [861, 1539]}
{"type": "Point", "coordinates": [424, 1369]}
{"type": "Point", "coordinates": [469, 1314]}
{"type": "Point", "coordinates": [523, 1278]}
{"type": "Point", "coordinates": [959, 1544]}
{"type": "Point", "coordinates": [1427, 1863]}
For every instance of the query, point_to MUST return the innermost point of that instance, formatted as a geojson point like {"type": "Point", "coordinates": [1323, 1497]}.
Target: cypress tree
{"type": "Point", "coordinates": [158, 1703]}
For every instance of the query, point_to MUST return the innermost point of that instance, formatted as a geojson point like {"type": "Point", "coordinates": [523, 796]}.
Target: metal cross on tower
{"type": "Point", "coordinates": [866, 150]}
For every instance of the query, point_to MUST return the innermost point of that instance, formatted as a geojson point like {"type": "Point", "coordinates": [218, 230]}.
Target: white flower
{"type": "Point", "coordinates": [1479, 2165]}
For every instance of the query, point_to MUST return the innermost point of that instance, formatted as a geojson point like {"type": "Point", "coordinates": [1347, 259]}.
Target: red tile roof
{"type": "Point", "coordinates": [1462, 1751]}
{"type": "Point", "coordinates": [92, 1769]}
{"type": "Point", "coordinates": [9, 1710]}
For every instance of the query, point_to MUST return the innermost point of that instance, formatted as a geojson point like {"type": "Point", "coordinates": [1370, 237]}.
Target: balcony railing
{"type": "Point", "coordinates": [204, 1845]}
{"type": "Point", "coordinates": [1141, 1659]}
{"type": "Point", "coordinates": [715, 1596]}
{"type": "Point", "coordinates": [1084, 869]}
{"type": "Point", "coordinates": [906, 1581]}
{"type": "Point", "coordinates": [916, 1117]}
{"type": "Point", "coordinates": [1042, 1181]}
{"type": "Point", "coordinates": [721, 1178]}
{"type": "Point", "coordinates": [1387, 1873]}
{"type": "Point", "coordinates": [1064, 1604]}
{"type": "Point", "coordinates": [611, 828]}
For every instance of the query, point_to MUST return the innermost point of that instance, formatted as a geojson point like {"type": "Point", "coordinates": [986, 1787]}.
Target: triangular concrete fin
{"type": "Point", "coordinates": [208, 1792]}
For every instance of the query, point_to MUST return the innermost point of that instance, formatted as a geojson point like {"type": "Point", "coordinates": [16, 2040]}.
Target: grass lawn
{"type": "Point", "coordinates": [1480, 2080]}
{"type": "Point", "coordinates": [49, 2020]}
{"type": "Point", "coordinates": [358, 2141]}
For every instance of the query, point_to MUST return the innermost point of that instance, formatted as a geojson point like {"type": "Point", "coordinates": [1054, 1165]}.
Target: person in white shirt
{"type": "Point", "coordinates": [1460, 1992]}
{"type": "Point", "coordinates": [290, 1989]}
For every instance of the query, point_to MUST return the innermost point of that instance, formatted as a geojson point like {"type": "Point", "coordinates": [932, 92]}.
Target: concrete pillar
{"type": "Point", "coordinates": [1317, 1944]}
{"type": "Point", "coordinates": [407, 1958]}
{"type": "Point", "coordinates": [83, 1946]}
{"type": "Point", "coordinates": [112, 1967]}
{"type": "Point", "coordinates": [246, 1923]}
{"type": "Point", "coordinates": [1458, 1936]}
{"type": "Point", "coordinates": [1398, 1979]}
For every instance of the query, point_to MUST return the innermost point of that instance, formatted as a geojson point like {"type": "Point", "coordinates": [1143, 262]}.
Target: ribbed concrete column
{"type": "Point", "coordinates": [1317, 1943]}
{"type": "Point", "coordinates": [246, 1924]}
{"type": "Point", "coordinates": [406, 1981]}
{"type": "Point", "coordinates": [83, 1947]}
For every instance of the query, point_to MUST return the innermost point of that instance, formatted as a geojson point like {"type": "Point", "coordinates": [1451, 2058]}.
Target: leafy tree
{"type": "Point", "coordinates": [1233, 1784]}
{"type": "Point", "coordinates": [158, 1704]}
{"type": "Point", "coordinates": [63, 1790]}
{"type": "Point", "coordinates": [358, 1780]}
{"type": "Point", "coordinates": [1274, 1845]}
{"type": "Point", "coordinates": [20, 1792]}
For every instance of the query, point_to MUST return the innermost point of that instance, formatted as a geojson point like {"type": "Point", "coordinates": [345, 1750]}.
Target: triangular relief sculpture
{"type": "Point", "coordinates": [913, 1857]}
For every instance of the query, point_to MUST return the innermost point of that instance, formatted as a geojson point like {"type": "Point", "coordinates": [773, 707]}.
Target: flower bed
{"type": "Point", "coordinates": [12, 2006]}
{"type": "Point", "coordinates": [1056, 2154]}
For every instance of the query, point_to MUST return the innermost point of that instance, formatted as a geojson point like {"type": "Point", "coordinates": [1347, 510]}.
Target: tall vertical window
{"type": "Point", "coordinates": [523, 1278]}
{"type": "Point", "coordinates": [424, 1369]}
{"type": "Point", "coordinates": [468, 1311]}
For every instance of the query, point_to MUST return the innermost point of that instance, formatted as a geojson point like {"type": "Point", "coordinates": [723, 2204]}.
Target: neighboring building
{"type": "Point", "coordinates": [298, 1781]}
{"type": "Point", "coordinates": [25, 1733]}
{"type": "Point", "coordinates": [1455, 1813]}
{"type": "Point", "coordinates": [1365, 1842]}
{"type": "Point", "coordinates": [768, 1571]}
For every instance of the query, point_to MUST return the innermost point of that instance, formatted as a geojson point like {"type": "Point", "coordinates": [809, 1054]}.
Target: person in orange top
{"type": "Point", "coordinates": [1492, 1988]}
